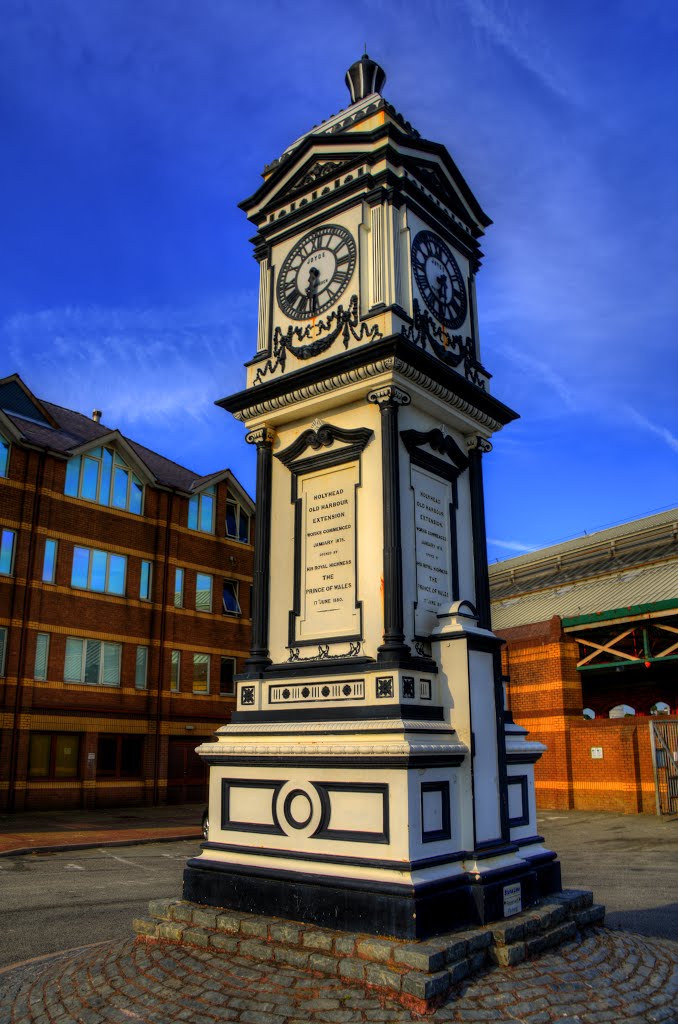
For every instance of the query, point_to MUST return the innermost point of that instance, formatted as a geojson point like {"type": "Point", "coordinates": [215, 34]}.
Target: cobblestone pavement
{"type": "Point", "coordinates": [614, 977]}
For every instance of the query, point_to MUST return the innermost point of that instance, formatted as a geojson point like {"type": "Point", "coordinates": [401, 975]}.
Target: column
{"type": "Point", "coordinates": [476, 446]}
{"type": "Point", "coordinates": [389, 399]}
{"type": "Point", "coordinates": [259, 658]}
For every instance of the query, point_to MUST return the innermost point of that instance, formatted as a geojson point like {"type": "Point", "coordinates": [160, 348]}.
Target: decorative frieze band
{"type": "Point", "coordinates": [362, 373]}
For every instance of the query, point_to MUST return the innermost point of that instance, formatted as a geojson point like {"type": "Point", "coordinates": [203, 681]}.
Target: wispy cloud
{"type": "Point", "coordinates": [546, 374]}
{"type": "Point", "coordinates": [138, 365]}
{"type": "Point", "coordinates": [511, 545]}
{"type": "Point", "coordinates": [529, 48]}
{"type": "Point", "coordinates": [663, 433]}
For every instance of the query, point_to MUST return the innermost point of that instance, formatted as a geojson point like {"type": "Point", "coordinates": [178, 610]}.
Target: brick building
{"type": "Point", "coordinates": [591, 658]}
{"type": "Point", "coordinates": [124, 611]}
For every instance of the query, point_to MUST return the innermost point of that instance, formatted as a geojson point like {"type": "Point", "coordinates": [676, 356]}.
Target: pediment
{"type": "Point", "coordinates": [115, 440]}
{"type": "Point", "coordinates": [435, 179]}
{"type": "Point", "coordinates": [316, 174]}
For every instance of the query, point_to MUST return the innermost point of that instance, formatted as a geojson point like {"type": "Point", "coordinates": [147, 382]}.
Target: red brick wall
{"type": "Point", "coordinates": [545, 697]}
{"type": "Point", "coordinates": [623, 779]}
{"type": "Point", "coordinates": [61, 611]}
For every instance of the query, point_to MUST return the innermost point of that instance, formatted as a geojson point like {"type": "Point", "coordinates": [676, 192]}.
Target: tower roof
{"type": "Point", "coordinates": [364, 78]}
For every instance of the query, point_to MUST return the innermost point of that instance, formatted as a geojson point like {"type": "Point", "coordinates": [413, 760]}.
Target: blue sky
{"type": "Point", "coordinates": [132, 128]}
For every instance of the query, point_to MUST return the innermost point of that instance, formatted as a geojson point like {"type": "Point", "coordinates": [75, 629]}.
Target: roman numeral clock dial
{"type": "Point", "coordinates": [316, 272]}
{"type": "Point", "coordinates": [439, 279]}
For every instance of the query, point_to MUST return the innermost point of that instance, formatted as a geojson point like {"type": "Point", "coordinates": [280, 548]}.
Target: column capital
{"type": "Point", "coordinates": [389, 395]}
{"type": "Point", "coordinates": [476, 443]}
{"type": "Point", "coordinates": [261, 436]}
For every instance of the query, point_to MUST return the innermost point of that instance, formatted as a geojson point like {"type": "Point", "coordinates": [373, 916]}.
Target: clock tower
{"type": "Point", "coordinates": [369, 778]}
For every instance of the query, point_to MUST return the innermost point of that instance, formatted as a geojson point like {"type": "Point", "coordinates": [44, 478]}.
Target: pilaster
{"type": "Point", "coordinates": [389, 399]}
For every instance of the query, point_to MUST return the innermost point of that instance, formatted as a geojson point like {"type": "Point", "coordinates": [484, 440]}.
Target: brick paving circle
{"type": "Point", "coordinates": [608, 977]}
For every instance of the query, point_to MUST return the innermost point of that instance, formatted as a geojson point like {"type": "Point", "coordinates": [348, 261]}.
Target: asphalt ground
{"type": "Point", "coordinates": [619, 974]}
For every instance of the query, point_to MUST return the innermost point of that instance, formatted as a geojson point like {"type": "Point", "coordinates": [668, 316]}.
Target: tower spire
{"type": "Point", "coordinates": [363, 77]}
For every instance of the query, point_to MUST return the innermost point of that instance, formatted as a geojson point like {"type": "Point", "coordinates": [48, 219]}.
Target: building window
{"type": "Point", "coordinates": [53, 755]}
{"type": "Point", "coordinates": [201, 511]}
{"type": "Point", "coordinates": [103, 476]}
{"type": "Point", "coordinates": [3, 649]}
{"type": "Point", "coordinates": [178, 588]}
{"type": "Point", "coordinates": [231, 603]}
{"type": "Point", "coordinates": [175, 672]}
{"type": "Point", "coordinates": [99, 571]}
{"type": "Point", "coordinates": [201, 673]}
{"type": "Point", "coordinates": [4, 456]}
{"type": "Point", "coordinates": [120, 757]}
{"type": "Point", "coordinates": [203, 592]}
{"type": "Point", "coordinates": [145, 584]}
{"type": "Point", "coordinates": [226, 674]}
{"type": "Point", "coordinates": [7, 544]}
{"type": "Point", "coordinates": [237, 522]}
{"type": "Point", "coordinates": [141, 671]}
{"type": "Point", "coordinates": [41, 656]}
{"type": "Point", "coordinates": [92, 661]}
{"type": "Point", "coordinates": [49, 562]}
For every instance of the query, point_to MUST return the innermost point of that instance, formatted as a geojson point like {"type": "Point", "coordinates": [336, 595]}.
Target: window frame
{"type": "Point", "coordinates": [230, 692]}
{"type": "Point", "coordinates": [148, 595]}
{"type": "Point", "coordinates": [105, 478]}
{"type": "Point", "coordinates": [12, 555]}
{"type": "Point", "coordinates": [206, 576]}
{"type": "Point", "coordinates": [195, 502]}
{"type": "Point", "coordinates": [175, 672]}
{"type": "Point", "coordinates": [6, 446]}
{"type": "Point", "coordinates": [53, 545]}
{"type": "Point", "coordinates": [91, 552]}
{"type": "Point", "coordinates": [236, 594]}
{"type": "Point", "coordinates": [4, 633]}
{"type": "Point", "coordinates": [239, 513]}
{"type": "Point", "coordinates": [179, 593]}
{"type": "Point", "coordinates": [45, 676]}
{"type": "Point", "coordinates": [143, 685]}
{"type": "Point", "coordinates": [53, 739]}
{"type": "Point", "coordinates": [206, 659]}
{"type": "Point", "coordinates": [83, 681]}
{"type": "Point", "coordinates": [120, 740]}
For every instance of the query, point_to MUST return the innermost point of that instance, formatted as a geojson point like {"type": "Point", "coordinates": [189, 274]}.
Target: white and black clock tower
{"type": "Point", "coordinates": [369, 779]}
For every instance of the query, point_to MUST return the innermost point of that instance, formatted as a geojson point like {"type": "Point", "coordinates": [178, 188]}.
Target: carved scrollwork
{"type": "Point", "coordinates": [262, 435]}
{"type": "Point", "coordinates": [474, 441]}
{"type": "Point", "coordinates": [389, 395]}
{"type": "Point", "coordinates": [316, 338]}
{"type": "Point", "coordinates": [323, 654]}
{"type": "Point", "coordinates": [451, 349]}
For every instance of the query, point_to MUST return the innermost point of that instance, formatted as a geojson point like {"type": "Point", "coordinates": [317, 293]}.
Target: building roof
{"type": "Point", "coordinates": [622, 567]}
{"type": "Point", "coordinates": [63, 431]}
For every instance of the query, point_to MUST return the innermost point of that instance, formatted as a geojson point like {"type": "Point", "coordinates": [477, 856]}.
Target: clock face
{"type": "Point", "coordinates": [316, 272]}
{"type": "Point", "coordinates": [439, 279]}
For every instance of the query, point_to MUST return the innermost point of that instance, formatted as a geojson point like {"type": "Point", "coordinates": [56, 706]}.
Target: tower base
{"type": "Point", "coordinates": [415, 911]}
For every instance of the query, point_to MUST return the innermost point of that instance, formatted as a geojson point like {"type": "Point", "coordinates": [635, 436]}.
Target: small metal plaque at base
{"type": "Point", "coordinates": [513, 903]}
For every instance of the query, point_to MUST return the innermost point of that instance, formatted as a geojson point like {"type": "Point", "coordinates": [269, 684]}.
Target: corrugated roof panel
{"type": "Point", "coordinates": [642, 585]}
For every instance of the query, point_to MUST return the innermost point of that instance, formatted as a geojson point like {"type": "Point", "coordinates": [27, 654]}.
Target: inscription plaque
{"type": "Point", "coordinates": [328, 564]}
{"type": "Point", "coordinates": [432, 497]}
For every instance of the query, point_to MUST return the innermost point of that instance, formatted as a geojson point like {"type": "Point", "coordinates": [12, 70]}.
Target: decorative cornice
{"type": "Point", "coordinates": [449, 397]}
{"type": "Point", "coordinates": [389, 395]}
{"type": "Point", "coordinates": [358, 374]}
{"type": "Point", "coordinates": [262, 435]}
{"type": "Point", "coordinates": [372, 725]}
{"type": "Point", "coordinates": [337, 749]}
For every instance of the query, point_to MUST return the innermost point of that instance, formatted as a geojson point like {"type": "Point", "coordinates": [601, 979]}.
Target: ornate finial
{"type": "Point", "coordinates": [364, 77]}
